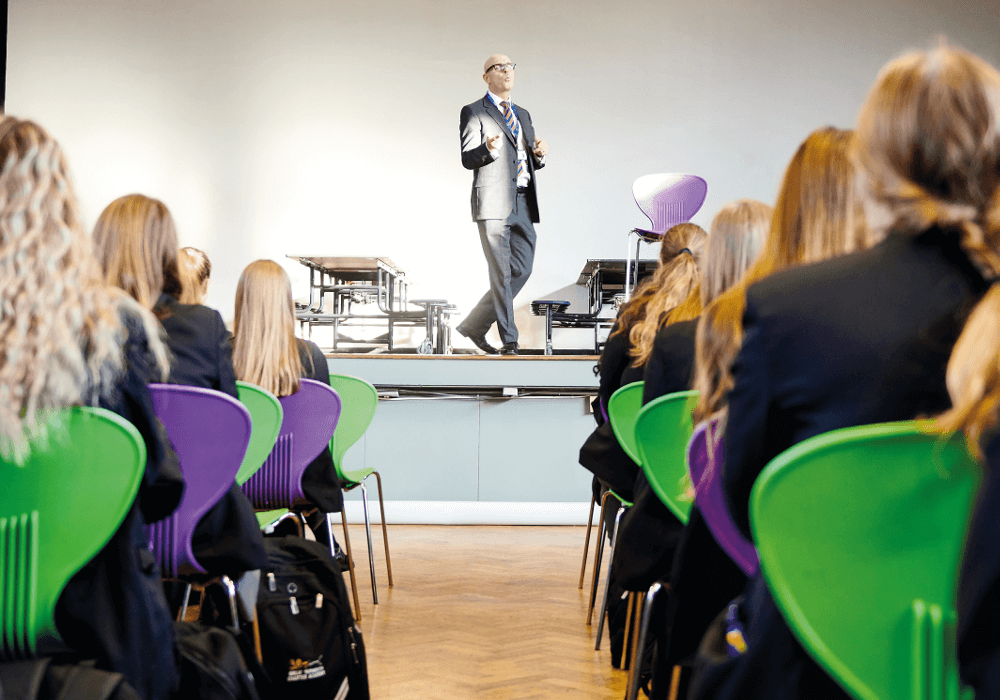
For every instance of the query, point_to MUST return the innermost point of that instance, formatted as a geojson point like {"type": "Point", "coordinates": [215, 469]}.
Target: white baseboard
{"type": "Point", "coordinates": [471, 513]}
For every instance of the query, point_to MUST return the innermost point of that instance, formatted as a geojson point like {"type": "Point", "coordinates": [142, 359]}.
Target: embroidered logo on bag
{"type": "Point", "coordinates": [302, 670]}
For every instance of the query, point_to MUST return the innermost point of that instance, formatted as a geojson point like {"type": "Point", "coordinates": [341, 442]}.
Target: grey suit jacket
{"type": "Point", "coordinates": [494, 180]}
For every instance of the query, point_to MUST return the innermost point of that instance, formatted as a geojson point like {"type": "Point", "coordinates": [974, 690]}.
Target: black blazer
{"type": "Point", "coordinates": [671, 366]}
{"type": "Point", "coordinates": [113, 609]}
{"type": "Point", "coordinates": [601, 454]}
{"type": "Point", "coordinates": [320, 483]}
{"type": "Point", "coordinates": [202, 354]}
{"type": "Point", "coordinates": [979, 584]}
{"type": "Point", "coordinates": [860, 339]}
{"type": "Point", "coordinates": [227, 539]}
{"type": "Point", "coordinates": [649, 532]}
{"type": "Point", "coordinates": [864, 338]}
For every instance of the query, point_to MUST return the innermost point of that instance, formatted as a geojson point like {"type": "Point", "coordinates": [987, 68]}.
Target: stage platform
{"type": "Point", "coordinates": [475, 439]}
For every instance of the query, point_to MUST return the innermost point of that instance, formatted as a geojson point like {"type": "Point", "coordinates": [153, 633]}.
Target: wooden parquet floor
{"type": "Point", "coordinates": [481, 612]}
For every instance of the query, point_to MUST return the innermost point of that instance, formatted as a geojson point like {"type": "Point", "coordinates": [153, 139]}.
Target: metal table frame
{"type": "Point", "coordinates": [350, 280]}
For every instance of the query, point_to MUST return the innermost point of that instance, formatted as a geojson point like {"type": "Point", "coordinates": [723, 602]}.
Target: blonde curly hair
{"type": "Point", "coordinates": [60, 329]}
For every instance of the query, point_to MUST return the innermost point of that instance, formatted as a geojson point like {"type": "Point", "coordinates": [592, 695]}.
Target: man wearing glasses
{"type": "Point", "coordinates": [500, 148]}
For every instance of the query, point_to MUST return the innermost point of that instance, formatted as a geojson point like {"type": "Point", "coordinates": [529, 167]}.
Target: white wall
{"type": "Point", "coordinates": [274, 127]}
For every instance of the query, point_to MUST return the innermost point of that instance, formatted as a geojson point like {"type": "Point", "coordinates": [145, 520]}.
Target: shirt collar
{"type": "Point", "coordinates": [497, 99]}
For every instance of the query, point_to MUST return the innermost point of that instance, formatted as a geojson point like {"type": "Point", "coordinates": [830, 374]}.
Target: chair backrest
{"type": "Point", "coordinates": [623, 407]}
{"type": "Point", "coordinates": [361, 400]}
{"type": "Point", "coordinates": [662, 430]}
{"type": "Point", "coordinates": [860, 533]}
{"type": "Point", "coordinates": [209, 431]}
{"type": "Point", "coordinates": [705, 466]}
{"type": "Point", "coordinates": [668, 199]}
{"type": "Point", "coordinates": [265, 414]}
{"type": "Point", "coordinates": [310, 417]}
{"type": "Point", "coordinates": [57, 511]}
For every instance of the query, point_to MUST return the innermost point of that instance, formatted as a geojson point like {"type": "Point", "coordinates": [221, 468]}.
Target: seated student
{"type": "Point", "coordinates": [649, 530]}
{"type": "Point", "coordinates": [735, 239]}
{"type": "Point", "coordinates": [865, 338]}
{"type": "Point", "coordinates": [267, 353]}
{"type": "Point", "coordinates": [66, 340]}
{"type": "Point", "coordinates": [136, 243]}
{"type": "Point", "coordinates": [817, 216]}
{"type": "Point", "coordinates": [974, 386]}
{"type": "Point", "coordinates": [674, 280]}
{"type": "Point", "coordinates": [195, 273]}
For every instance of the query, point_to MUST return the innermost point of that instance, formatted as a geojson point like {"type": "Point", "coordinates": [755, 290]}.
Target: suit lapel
{"type": "Point", "coordinates": [497, 115]}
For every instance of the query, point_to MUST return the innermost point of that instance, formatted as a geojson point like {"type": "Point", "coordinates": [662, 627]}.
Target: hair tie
{"type": "Point", "coordinates": [686, 250]}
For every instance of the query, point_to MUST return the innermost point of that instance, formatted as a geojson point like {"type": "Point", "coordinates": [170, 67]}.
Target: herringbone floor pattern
{"type": "Point", "coordinates": [481, 612]}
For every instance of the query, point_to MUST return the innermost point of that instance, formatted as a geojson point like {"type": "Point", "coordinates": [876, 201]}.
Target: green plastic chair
{"type": "Point", "coordinates": [662, 431]}
{"type": "Point", "coordinates": [623, 408]}
{"type": "Point", "coordinates": [49, 527]}
{"type": "Point", "coordinates": [359, 400]}
{"type": "Point", "coordinates": [265, 414]}
{"type": "Point", "coordinates": [860, 533]}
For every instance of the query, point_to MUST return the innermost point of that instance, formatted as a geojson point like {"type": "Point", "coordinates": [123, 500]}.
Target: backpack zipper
{"type": "Point", "coordinates": [354, 647]}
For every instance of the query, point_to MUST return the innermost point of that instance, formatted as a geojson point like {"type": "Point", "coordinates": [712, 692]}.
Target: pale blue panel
{"type": "Point", "coordinates": [469, 371]}
{"type": "Point", "coordinates": [425, 450]}
{"type": "Point", "coordinates": [530, 449]}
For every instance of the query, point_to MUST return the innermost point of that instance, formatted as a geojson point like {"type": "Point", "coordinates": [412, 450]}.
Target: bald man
{"type": "Point", "coordinates": [500, 148]}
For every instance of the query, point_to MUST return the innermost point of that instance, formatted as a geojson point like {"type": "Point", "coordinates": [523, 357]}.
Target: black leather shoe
{"type": "Point", "coordinates": [509, 349]}
{"type": "Point", "coordinates": [479, 341]}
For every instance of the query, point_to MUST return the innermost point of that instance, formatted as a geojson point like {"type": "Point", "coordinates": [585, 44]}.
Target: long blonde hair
{"type": "Point", "coordinates": [265, 351]}
{"type": "Point", "coordinates": [735, 240]}
{"type": "Point", "coordinates": [136, 244]}
{"type": "Point", "coordinates": [673, 287]}
{"type": "Point", "coordinates": [932, 122]}
{"type": "Point", "coordinates": [817, 216]}
{"type": "Point", "coordinates": [60, 329]}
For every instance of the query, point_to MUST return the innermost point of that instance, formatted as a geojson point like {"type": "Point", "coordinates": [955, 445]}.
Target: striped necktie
{"type": "Point", "coordinates": [515, 129]}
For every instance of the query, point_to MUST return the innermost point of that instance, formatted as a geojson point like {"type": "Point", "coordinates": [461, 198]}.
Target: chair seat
{"type": "Point", "coordinates": [539, 306]}
{"type": "Point", "coordinates": [353, 478]}
{"type": "Point", "coordinates": [648, 236]}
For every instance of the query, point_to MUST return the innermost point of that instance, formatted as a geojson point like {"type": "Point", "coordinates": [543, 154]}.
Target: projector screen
{"type": "Point", "coordinates": [317, 127]}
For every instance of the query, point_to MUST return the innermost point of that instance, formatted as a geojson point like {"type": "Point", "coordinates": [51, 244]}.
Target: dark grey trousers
{"type": "Point", "coordinates": [509, 245]}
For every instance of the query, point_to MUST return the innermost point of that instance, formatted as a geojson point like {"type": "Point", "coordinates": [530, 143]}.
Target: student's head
{"type": "Point", "coordinates": [265, 351]}
{"type": "Point", "coordinates": [735, 239]}
{"type": "Point", "coordinates": [195, 272]}
{"type": "Point", "coordinates": [136, 243]}
{"type": "Point", "coordinates": [928, 149]}
{"type": "Point", "coordinates": [817, 216]}
{"type": "Point", "coordinates": [671, 294]}
{"type": "Point", "coordinates": [60, 335]}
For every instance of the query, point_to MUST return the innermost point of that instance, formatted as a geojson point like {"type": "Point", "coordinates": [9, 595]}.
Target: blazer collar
{"type": "Point", "coordinates": [497, 115]}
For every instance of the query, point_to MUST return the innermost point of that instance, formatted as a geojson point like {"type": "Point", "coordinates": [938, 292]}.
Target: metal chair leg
{"type": "Point", "coordinates": [350, 564]}
{"type": "Point", "coordinates": [184, 603]}
{"type": "Point", "coordinates": [385, 534]}
{"type": "Point", "coordinates": [368, 530]}
{"type": "Point", "coordinates": [598, 554]}
{"type": "Point", "coordinates": [586, 542]}
{"type": "Point", "coordinates": [632, 638]}
{"type": "Point", "coordinates": [607, 580]}
{"type": "Point", "coordinates": [231, 591]}
{"type": "Point", "coordinates": [640, 647]}
{"type": "Point", "coordinates": [626, 648]}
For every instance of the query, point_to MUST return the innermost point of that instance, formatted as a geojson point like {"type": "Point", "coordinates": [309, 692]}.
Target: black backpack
{"type": "Point", "coordinates": [212, 664]}
{"type": "Point", "coordinates": [310, 644]}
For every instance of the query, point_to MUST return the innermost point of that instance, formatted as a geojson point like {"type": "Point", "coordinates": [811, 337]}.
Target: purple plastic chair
{"type": "Point", "coordinates": [704, 462]}
{"type": "Point", "coordinates": [209, 431]}
{"type": "Point", "coordinates": [667, 199]}
{"type": "Point", "coordinates": [310, 417]}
